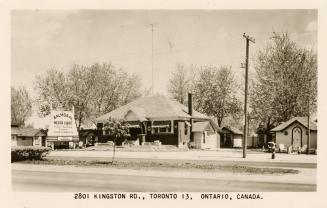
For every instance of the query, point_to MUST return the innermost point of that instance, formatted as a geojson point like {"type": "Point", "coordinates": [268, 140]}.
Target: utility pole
{"type": "Point", "coordinates": [248, 39]}
{"type": "Point", "coordinates": [152, 86]}
{"type": "Point", "coordinates": [308, 138]}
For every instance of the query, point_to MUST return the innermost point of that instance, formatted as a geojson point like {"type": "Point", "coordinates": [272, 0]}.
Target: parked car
{"type": "Point", "coordinates": [271, 146]}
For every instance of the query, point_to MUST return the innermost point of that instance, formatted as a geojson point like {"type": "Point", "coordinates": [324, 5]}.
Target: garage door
{"type": "Point", "coordinates": [25, 141]}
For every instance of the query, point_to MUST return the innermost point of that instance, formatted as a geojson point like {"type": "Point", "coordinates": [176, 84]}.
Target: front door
{"type": "Point", "coordinates": [43, 141]}
{"type": "Point", "coordinates": [296, 137]}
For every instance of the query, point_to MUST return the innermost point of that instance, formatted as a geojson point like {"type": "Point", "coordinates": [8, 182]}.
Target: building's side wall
{"type": "Point", "coordinates": [313, 139]}
{"type": "Point", "coordinates": [212, 141]}
{"type": "Point", "coordinates": [24, 141]}
{"type": "Point", "coordinates": [205, 140]}
{"type": "Point", "coordinates": [13, 140]}
{"type": "Point", "coordinates": [281, 138]}
{"type": "Point", "coordinates": [237, 140]}
{"type": "Point", "coordinates": [198, 138]}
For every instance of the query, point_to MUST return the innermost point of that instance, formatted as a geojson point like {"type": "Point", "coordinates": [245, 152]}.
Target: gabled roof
{"type": "Point", "coordinates": [152, 108]}
{"type": "Point", "coordinates": [201, 126]}
{"type": "Point", "coordinates": [28, 132]}
{"type": "Point", "coordinates": [301, 120]}
{"type": "Point", "coordinates": [232, 130]}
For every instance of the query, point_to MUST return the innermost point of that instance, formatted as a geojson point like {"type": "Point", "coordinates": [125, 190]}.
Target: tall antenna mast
{"type": "Point", "coordinates": [152, 86]}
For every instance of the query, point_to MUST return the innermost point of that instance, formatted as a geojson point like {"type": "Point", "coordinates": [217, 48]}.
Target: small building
{"type": "Point", "coordinates": [205, 136]}
{"type": "Point", "coordinates": [231, 137]}
{"type": "Point", "coordinates": [294, 132]}
{"type": "Point", "coordinates": [160, 118]}
{"type": "Point", "coordinates": [21, 136]}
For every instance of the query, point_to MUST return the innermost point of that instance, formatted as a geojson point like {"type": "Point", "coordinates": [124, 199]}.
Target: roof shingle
{"type": "Point", "coordinates": [301, 120]}
{"type": "Point", "coordinates": [28, 132]}
{"type": "Point", "coordinates": [156, 107]}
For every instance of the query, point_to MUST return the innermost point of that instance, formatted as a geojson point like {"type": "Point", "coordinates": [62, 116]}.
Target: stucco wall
{"type": "Point", "coordinates": [13, 141]}
{"type": "Point", "coordinates": [282, 138]}
{"type": "Point", "coordinates": [237, 140]}
{"type": "Point", "coordinates": [198, 137]}
{"type": "Point", "coordinates": [37, 141]}
{"type": "Point", "coordinates": [212, 140]}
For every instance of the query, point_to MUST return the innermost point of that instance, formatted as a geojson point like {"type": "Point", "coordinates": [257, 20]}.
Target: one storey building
{"type": "Point", "coordinates": [170, 122]}
{"type": "Point", "coordinates": [22, 136]}
{"type": "Point", "coordinates": [231, 137]}
{"type": "Point", "coordinates": [294, 132]}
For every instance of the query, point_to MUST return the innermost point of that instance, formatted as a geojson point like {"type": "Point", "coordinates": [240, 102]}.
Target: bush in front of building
{"type": "Point", "coordinates": [28, 153]}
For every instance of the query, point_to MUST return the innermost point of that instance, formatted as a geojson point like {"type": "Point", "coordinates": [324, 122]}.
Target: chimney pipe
{"type": "Point", "coordinates": [190, 104]}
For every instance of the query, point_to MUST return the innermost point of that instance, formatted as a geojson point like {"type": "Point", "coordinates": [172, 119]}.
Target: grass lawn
{"type": "Point", "coordinates": [198, 166]}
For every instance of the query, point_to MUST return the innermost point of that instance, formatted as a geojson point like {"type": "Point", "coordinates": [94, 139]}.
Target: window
{"type": "Point", "coordinates": [163, 130]}
{"type": "Point", "coordinates": [161, 127]}
{"type": "Point", "coordinates": [37, 140]}
{"type": "Point", "coordinates": [204, 137]}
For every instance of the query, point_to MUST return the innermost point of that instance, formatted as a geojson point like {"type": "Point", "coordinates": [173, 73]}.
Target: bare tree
{"type": "Point", "coordinates": [113, 88]}
{"type": "Point", "coordinates": [92, 90]}
{"type": "Point", "coordinates": [285, 76]}
{"type": "Point", "coordinates": [216, 93]}
{"type": "Point", "coordinates": [21, 106]}
{"type": "Point", "coordinates": [181, 82]}
{"type": "Point", "coordinates": [52, 91]}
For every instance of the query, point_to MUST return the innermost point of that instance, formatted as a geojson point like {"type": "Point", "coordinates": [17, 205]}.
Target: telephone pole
{"type": "Point", "coordinates": [308, 138]}
{"type": "Point", "coordinates": [248, 39]}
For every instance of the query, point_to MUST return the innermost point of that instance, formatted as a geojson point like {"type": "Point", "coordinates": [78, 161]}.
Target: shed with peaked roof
{"type": "Point", "coordinates": [205, 135]}
{"type": "Point", "coordinates": [294, 132]}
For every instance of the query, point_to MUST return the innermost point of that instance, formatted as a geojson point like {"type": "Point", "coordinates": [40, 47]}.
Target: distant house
{"type": "Point", "coordinates": [21, 136]}
{"type": "Point", "coordinates": [294, 132]}
{"type": "Point", "coordinates": [231, 137]}
{"type": "Point", "coordinates": [166, 120]}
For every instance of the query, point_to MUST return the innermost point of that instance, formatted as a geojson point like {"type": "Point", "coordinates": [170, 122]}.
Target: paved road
{"type": "Point", "coordinates": [41, 181]}
{"type": "Point", "coordinates": [247, 163]}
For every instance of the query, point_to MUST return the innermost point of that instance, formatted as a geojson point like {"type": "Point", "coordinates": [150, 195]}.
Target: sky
{"type": "Point", "coordinates": [42, 39]}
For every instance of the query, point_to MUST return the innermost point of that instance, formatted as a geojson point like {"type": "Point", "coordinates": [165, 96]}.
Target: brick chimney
{"type": "Point", "coordinates": [190, 104]}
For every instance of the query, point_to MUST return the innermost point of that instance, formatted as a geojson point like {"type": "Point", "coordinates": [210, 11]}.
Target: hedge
{"type": "Point", "coordinates": [28, 153]}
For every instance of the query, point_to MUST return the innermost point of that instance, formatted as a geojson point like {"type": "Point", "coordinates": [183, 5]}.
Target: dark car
{"type": "Point", "coordinates": [271, 146]}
